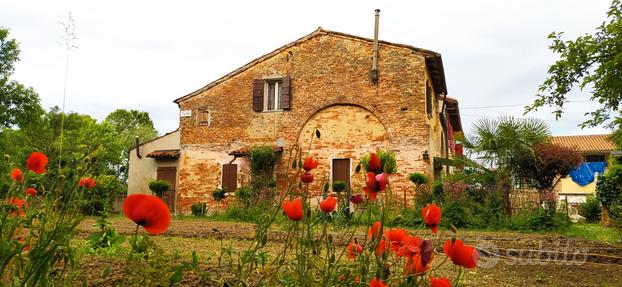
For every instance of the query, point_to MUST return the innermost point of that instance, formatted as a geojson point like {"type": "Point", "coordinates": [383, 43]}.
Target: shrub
{"type": "Point", "coordinates": [199, 209]}
{"type": "Point", "coordinates": [590, 209]}
{"type": "Point", "coordinates": [539, 220]}
{"type": "Point", "coordinates": [244, 194]}
{"type": "Point", "coordinates": [262, 159]}
{"type": "Point", "coordinates": [219, 194]}
{"type": "Point", "coordinates": [455, 213]}
{"type": "Point", "coordinates": [100, 197]}
{"type": "Point", "coordinates": [339, 186]}
{"type": "Point", "coordinates": [158, 187]}
{"type": "Point", "coordinates": [418, 178]}
{"type": "Point", "coordinates": [437, 189]}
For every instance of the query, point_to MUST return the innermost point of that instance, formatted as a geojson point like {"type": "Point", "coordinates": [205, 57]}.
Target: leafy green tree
{"type": "Point", "coordinates": [127, 125]}
{"type": "Point", "coordinates": [590, 61]}
{"type": "Point", "coordinates": [545, 167]}
{"type": "Point", "coordinates": [497, 142]}
{"type": "Point", "coordinates": [18, 104]}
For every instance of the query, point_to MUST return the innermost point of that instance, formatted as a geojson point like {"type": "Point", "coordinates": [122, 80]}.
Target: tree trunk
{"type": "Point", "coordinates": [504, 184]}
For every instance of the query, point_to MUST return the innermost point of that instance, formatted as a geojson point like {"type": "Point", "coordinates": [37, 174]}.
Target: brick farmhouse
{"type": "Point", "coordinates": [322, 80]}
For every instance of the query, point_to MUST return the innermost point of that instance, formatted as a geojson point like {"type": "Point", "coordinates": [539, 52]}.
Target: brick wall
{"type": "Point", "coordinates": [331, 90]}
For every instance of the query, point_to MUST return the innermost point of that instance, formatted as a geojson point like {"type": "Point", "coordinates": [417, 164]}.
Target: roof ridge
{"type": "Point", "coordinates": [319, 31]}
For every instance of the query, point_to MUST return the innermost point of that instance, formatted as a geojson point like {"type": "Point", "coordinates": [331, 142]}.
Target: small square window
{"type": "Point", "coordinates": [272, 96]}
{"type": "Point", "coordinates": [204, 117]}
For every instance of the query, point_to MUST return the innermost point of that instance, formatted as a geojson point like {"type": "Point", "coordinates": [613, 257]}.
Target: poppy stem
{"type": "Point", "coordinates": [135, 242]}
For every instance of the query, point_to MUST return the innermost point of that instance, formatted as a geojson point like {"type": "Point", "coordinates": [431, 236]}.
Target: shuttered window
{"type": "Point", "coordinates": [272, 94]}
{"type": "Point", "coordinates": [428, 99]}
{"type": "Point", "coordinates": [229, 177]}
{"type": "Point", "coordinates": [204, 117]}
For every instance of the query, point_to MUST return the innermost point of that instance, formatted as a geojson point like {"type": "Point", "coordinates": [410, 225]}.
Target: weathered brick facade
{"type": "Point", "coordinates": [331, 90]}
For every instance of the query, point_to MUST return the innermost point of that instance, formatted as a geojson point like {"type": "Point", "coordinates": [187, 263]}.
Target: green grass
{"type": "Point", "coordinates": [593, 231]}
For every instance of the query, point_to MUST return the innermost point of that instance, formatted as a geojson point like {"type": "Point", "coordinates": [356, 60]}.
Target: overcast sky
{"type": "Point", "coordinates": [144, 54]}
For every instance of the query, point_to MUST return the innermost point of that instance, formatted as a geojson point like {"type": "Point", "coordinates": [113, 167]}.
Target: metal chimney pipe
{"type": "Point", "coordinates": [374, 61]}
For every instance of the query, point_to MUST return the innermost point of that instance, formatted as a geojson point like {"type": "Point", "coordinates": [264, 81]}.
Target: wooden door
{"type": "Point", "coordinates": [229, 177]}
{"type": "Point", "coordinates": [341, 171]}
{"type": "Point", "coordinates": [170, 175]}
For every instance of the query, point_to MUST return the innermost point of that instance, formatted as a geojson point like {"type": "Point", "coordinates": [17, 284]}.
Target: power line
{"type": "Point", "coordinates": [498, 117]}
{"type": "Point", "coordinates": [509, 106]}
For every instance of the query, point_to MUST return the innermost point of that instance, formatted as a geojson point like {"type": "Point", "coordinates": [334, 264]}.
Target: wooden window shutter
{"type": "Point", "coordinates": [230, 177]}
{"type": "Point", "coordinates": [428, 99]}
{"type": "Point", "coordinates": [286, 97]}
{"type": "Point", "coordinates": [258, 86]}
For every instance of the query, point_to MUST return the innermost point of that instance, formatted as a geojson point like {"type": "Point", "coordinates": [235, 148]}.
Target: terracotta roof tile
{"type": "Point", "coordinates": [168, 153]}
{"type": "Point", "coordinates": [243, 151]}
{"type": "Point", "coordinates": [586, 143]}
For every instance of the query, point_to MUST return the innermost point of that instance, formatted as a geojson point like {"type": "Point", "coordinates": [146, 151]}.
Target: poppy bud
{"type": "Point", "coordinates": [7, 157]}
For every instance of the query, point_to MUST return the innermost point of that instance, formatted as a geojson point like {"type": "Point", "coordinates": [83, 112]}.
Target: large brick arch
{"type": "Point", "coordinates": [323, 106]}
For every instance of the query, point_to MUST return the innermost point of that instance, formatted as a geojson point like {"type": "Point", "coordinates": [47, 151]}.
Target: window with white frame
{"type": "Point", "coordinates": [272, 96]}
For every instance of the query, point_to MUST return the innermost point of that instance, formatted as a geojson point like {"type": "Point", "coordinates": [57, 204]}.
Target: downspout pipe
{"type": "Point", "coordinates": [374, 59]}
{"type": "Point", "coordinates": [138, 148]}
{"type": "Point", "coordinates": [444, 118]}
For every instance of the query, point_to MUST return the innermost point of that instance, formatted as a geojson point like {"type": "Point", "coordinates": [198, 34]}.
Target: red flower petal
{"type": "Point", "coordinates": [374, 230]}
{"type": "Point", "coordinates": [17, 175]}
{"type": "Point", "coordinates": [460, 254]}
{"type": "Point", "coordinates": [431, 214]}
{"type": "Point", "coordinates": [293, 209]}
{"type": "Point", "coordinates": [30, 191]}
{"type": "Point", "coordinates": [383, 180]}
{"type": "Point", "coordinates": [328, 204]}
{"type": "Point", "coordinates": [354, 249]}
{"type": "Point", "coordinates": [374, 163]}
{"type": "Point", "coordinates": [310, 164]}
{"type": "Point", "coordinates": [148, 211]}
{"type": "Point", "coordinates": [306, 177]}
{"type": "Point", "coordinates": [377, 283]}
{"type": "Point", "coordinates": [440, 282]}
{"type": "Point", "coordinates": [36, 162]}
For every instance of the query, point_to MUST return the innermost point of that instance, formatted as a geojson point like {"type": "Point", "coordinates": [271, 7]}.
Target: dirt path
{"type": "Point", "coordinates": [508, 259]}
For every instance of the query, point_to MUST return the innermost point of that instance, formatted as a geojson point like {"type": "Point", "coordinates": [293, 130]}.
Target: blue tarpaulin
{"type": "Point", "coordinates": [584, 174]}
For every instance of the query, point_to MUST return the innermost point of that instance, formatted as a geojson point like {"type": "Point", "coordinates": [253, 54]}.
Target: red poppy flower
{"type": "Point", "coordinates": [293, 209]}
{"type": "Point", "coordinates": [354, 249]}
{"type": "Point", "coordinates": [19, 204]}
{"type": "Point", "coordinates": [439, 282]}
{"type": "Point", "coordinates": [356, 199]}
{"type": "Point", "coordinates": [395, 236]}
{"type": "Point", "coordinates": [382, 247]}
{"type": "Point", "coordinates": [86, 182]}
{"type": "Point", "coordinates": [17, 175]}
{"type": "Point", "coordinates": [460, 254]}
{"type": "Point", "coordinates": [431, 216]}
{"type": "Point", "coordinates": [377, 283]}
{"type": "Point", "coordinates": [310, 164]}
{"type": "Point", "coordinates": [148, 211]}
{"type": "Point", "coordinates": [370, 195]}
{"type": "Point", "coordinates": [374, 230]}
{"type": "Point", "coordinates": [37, 162]}
{"type": "Point", "coordinates": [415, 265]}
{"type": "Point", "coordinates": [306, 177]}
{"type": "Point", "coordinates": [374, 163]}
{"type": "Point", "coordinates": [328, 205]}
{"type": "Point", "coordinates": [30, 191]}
{"type": "Point", "coordinates": [410, 246]}
{"type": "Point", "coordinates": [376, 182]}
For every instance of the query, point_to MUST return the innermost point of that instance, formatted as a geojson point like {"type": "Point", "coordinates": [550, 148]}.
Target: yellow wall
{"type": "Point", "coordinates": [570, 187]}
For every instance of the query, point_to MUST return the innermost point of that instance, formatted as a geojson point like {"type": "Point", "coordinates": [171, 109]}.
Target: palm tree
{"type": "Point", "coordinates": [496, 142]}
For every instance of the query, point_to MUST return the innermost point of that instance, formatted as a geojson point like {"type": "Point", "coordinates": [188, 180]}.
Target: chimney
{"type": "Point", "coordinates": [374, 59]}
